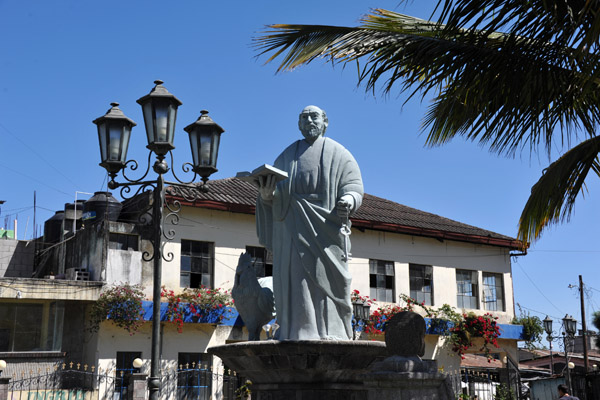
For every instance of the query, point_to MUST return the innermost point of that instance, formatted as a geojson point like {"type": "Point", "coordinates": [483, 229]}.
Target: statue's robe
{"type": "Point", "coordinates": [311, 283]}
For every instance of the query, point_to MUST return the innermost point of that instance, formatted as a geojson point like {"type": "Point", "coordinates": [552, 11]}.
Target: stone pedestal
{"type": "Point", "coordinates": [341, 370]}
{"type": "Point", "coordinates": [4, 388]}
{"type": "Point", "coordinates": [406, 378]}
{"type": "Point", "coordinates": [303, 370]}
{"type": "Point", "coordinates": [137, 386]}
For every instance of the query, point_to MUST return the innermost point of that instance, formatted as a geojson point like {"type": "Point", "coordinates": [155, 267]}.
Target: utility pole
{"type": "Point", "coordinates": [584, 335]}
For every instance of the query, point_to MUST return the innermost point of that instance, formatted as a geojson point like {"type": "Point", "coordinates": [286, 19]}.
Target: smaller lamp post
{"type": "Point", "coordinates": [548, 328]}
{"type": "Point", "coordinates": [361, 311]}
{"type": "Point", "coordinates": [569, 329]}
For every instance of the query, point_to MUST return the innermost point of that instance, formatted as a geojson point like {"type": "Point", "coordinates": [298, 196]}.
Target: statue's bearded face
{"type": "Point", "coordinates": [312, 123]}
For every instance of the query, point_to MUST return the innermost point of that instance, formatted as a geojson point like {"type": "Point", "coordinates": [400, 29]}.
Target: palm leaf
{"type": "Point", "coordinates": [499, 89]}
{"type": "Point", "coordinates": [553, 196]}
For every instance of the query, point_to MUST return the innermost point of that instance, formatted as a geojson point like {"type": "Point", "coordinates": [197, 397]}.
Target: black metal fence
{"type": "Point", "coordinates": [77, 382]}
{"type": "Point", "coordinates": [61, 383]}
{"type": "Point", "coordinates": [486, 384]}
{"type": "Point", "coordinates": [197, 382]}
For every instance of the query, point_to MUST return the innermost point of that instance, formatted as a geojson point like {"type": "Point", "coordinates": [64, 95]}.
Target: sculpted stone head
{"type": "Point", "coordinates": [312, 123]}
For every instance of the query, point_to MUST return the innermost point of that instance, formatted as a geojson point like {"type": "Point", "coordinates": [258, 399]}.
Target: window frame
{"type": "Point", "coordinates": [196, 279]}
{"type": "Point", "coordinates": [124, 364]}
{"type": "Point", "coordinates": [419, 294]}
{"type": "Point", "coordinates": [262, 258]}
{"type": "Point", "coordinates": [379, 272]}
{"type": "Point", "coordinates": [497, 289]}
{"type": "Point", "coordinates": [474, 282]}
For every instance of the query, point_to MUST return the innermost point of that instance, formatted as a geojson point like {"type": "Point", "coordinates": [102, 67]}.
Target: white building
{"type": "Point", "coordinates": [396, 250]}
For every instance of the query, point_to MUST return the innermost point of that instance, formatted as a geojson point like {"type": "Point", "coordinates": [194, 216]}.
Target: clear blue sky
{"type": "Point", "coordinates": [63, 62]}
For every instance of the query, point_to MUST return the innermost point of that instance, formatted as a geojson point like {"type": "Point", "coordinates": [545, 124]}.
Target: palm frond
{"type": "Point", "coordinates": [553, 196]}
{"type": "Point", "coordinates": [501, 90]}
{"type": "Point", "coordinates": [568, 23]}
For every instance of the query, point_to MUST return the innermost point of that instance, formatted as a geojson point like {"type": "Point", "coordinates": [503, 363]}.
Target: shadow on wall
{"type": "Point", "coordinates": [16, 258]}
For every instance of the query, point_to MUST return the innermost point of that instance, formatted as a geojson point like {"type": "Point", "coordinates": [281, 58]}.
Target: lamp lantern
{"type": "Point", "coordinates": [366, 311]}
{"type": "Point", "coordinates": [114, 131]}
{"type": "Point", "coordinates": [160, 112]}
{"type": "Point", "coordinates": [205, 136]}
{"type": "Point", "coordinates": [570, 325]}
{"type": "Point", "coordinates": [357, 309]}
{"type": "Point", "coordinates": [548, 325]}
{"type": "Point", "coordinates": [137, 363]}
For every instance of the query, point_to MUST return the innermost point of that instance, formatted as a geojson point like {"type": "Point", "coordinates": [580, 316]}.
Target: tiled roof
{"type": "Point", "coordinates": [235, 195]}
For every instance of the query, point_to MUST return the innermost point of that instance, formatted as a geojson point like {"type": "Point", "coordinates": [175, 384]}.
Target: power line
{"type": "Point", "coordinates": [37, 154]}
{"type": "Point", "coordinates": [34, 179]}
{"type": "Point", "coordinates": [538, 289]}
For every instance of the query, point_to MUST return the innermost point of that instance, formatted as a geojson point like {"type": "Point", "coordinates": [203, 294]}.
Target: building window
{"type": "Point", "coordinates": [493, 292]}
{"type": "Point", "coordinates": [466, 289]}
{"type": "Point", "coordinates": [197, 264]}
{"type": "Point", "coordinates": [123, 241]}
{"type": "Point", "coordinates": [31, 327]}
{"type": "Point", "coordinates": [381, 280]}
{"type": "Point", "coordinates": [124, 369]}
{"type": "Point", "coordinates": [421, 283]}
{"type": "Point", "coordinates": [194, 376]}
{"type": "Point", "coordinates": [262, 260]}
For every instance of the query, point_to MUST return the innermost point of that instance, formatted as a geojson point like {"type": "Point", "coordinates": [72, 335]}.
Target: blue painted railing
{"type": "Point", "coordinates": [232, 318]}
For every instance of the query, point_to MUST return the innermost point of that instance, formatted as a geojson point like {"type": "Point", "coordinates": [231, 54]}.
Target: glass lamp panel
{"type": "Point", "coordinates": [115, 132]}
{"type": "Point", "coordinates": [147, 110]}
{"type": "Point", "coordinates": [571, 326]}
{"type": "Point", "coordinates": [205, 149]}
{"type": "Point", "coordinates": [215, 146]}
{"type": "Point", "coordinates": [161, 112]}
{"type": "Point", "coordinates": [194, 147]}
{"type": "Point", "coordinates": [548, 325]}
{"type": "Point", "coordinates": [103, 141]}
{"type": "Point", "coordinates": [126, 136]}
{"type": "Point", "coordinates": [171, 122]}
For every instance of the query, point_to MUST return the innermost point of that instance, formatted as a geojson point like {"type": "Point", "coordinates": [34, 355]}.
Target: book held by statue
{"type": "Point", "coordinates": [264, 170]}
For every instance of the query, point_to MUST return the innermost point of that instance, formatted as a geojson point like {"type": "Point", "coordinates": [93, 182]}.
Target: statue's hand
{"type": "Point", "coordinates": [345, 205]}
{"type": "Point", "coordinates": [266, 187]}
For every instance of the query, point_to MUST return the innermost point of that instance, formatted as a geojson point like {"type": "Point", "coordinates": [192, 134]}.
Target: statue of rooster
{"type": "Point", "coordinates": [253, 297]}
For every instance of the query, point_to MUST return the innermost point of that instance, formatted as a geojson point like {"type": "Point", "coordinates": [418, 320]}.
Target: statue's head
{"type": "Point", "coordinates": [312, 123]}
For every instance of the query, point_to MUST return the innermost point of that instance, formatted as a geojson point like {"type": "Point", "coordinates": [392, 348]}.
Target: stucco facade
{"type": "Point", "coordinates": [229, 227]}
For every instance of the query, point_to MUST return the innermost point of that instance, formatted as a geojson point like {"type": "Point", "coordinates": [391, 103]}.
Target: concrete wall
{"type": "Point", "coordinates": [16, 258]}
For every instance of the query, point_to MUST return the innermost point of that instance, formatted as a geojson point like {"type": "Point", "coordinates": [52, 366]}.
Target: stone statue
{"type": "Point", "coordinates": [299, 219]}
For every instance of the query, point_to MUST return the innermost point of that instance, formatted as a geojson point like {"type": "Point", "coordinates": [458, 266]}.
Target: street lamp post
{"type": "Point", "coordinates": [569, 326]}
{"type": "Point", "coordinates": [548, 328]}
{"type": "Point", "coordinates": [361, 310]}
{"type": "Point", "coordinates": [114, 130]}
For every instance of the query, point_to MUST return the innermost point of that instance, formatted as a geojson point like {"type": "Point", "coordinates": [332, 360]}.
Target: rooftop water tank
{"type": "Point", "coordinates": [53, 226]}
{"type": "Point", "coordinates": [101, 205]}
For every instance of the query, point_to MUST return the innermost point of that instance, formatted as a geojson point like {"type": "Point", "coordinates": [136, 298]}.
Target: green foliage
{"type": "Point", "coordinates": [510, 75]}
{"type": "Point", "coordinates": [122, 305]}
{"type": "Point", "coordinates": [533, 328]}
{"type": "Point", "coordinates": [244, 391]}
{"type": "Point", "coordinates": [596, 323]}
{"type": "Point", "coordinates": [459, 328]}
{"type": "Point", "coordinates": [504, 393]}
